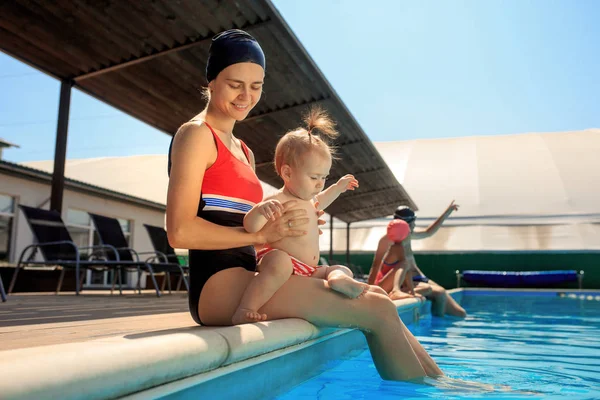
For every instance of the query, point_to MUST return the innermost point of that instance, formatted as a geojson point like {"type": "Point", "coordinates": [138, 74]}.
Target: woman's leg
{"type": "Point", "coordinates": [388, 283]}
{"type": "Point", "coordinates": [451, 307]}
{"type": "Point", "coordinates": [438, 300]}
{"type": "Point", "coordinates": [430, 367]}
{"type": "Point", "coordinates": [402, 285]}
{"type": "Point", "coordinates": [311, 299]}
{"type": "Point", "coordinates": [275, 268]}
{"type": "Point", "coordinates": [424, 289]}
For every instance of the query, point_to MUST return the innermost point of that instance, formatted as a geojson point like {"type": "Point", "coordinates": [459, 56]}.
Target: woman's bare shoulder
{"type": "Point", "coordinates": [192, 128]}
{"type": "Point", "coordinates": [191, 135]}
{"type": "Point", "coordinates": [193, 143]}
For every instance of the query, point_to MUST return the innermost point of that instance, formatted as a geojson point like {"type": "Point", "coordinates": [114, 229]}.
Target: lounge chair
{"type": "Point", "coordinates": [58, 249]}
{"type": "Point", "coordinates": [110, 233]}
{"type": "Point", "coordinates": [164, 251]}
{"type": "Point", "coordinates": [2, 292]}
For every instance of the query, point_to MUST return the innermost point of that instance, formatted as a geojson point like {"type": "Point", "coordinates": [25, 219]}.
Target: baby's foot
{"type": "Point", "coordinates": [399, 295]}
{"type": "Point", "coordinates": [247, 316]}
{"type": "Point", "coordinates": [344, 284]}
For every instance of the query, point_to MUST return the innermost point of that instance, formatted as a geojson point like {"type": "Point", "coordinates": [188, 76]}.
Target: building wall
{"type": "Point", "coordinates": [37, 194]}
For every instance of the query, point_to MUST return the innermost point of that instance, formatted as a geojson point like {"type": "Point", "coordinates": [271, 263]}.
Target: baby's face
{"type": "Point", "coordinates": [308, 178]}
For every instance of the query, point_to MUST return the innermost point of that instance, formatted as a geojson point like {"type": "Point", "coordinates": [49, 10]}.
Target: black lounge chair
{"type": "Point", "coordinates": [58, 249]}
{"type": "Point", "coordinates": [2, 292]}
{"type": "Point", "coordinates": [110, 233]}
{"type": "Point", "coordinates": [164, 251]}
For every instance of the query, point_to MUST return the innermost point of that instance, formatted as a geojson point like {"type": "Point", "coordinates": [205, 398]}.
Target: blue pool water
{"type": "Point", "coordinates": [525, 347]}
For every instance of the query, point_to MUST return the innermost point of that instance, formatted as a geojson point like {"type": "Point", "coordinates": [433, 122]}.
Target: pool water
{"type": "Point", "coordinates": [523, 346]}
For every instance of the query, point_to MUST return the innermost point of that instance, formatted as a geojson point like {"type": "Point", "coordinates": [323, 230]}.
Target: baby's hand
{"type": "Point", "coordinates": [347, 182]}
{"type": "Point", "coordinates": [270, 209]}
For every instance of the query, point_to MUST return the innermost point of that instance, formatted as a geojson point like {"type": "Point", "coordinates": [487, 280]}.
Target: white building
{"type": "Point", "coordinates": [20, 184]}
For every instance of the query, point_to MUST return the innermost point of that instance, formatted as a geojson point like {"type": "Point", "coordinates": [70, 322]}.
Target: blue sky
{"type": "Point", "coordinates": [405, 69]}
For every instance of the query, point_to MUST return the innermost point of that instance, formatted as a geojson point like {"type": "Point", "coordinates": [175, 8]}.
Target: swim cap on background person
{"type": "Point", "coordinates": [405, 213]}
{"type": "Point", "coordinates": [397, 230]}
{"type": "Point", "coordinates": [232, 47]}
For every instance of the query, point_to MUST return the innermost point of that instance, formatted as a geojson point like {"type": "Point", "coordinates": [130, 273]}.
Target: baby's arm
{"type": "Point", "coordinates": [328, 196]}
{"type": "Point", "coordinates": [257, 217]}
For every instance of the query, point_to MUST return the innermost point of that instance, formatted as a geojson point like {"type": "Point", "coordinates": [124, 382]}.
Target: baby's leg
{"type": "Point", "coordinates": [274, 268]}
{"type": "Point", "coordinates": [340, 279]}
{"type": "Point", "coordinates": [401, 290]}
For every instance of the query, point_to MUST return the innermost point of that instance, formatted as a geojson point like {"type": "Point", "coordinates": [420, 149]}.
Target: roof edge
{"type": "Point", "coordinates": [79, 186]}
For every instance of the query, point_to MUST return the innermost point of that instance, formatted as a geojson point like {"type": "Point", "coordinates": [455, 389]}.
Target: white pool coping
{"type": "Point", "coordinates": [153, 365]}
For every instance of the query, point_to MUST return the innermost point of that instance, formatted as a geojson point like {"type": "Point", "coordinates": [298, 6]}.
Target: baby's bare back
{"type": "Point", "coordinates": [304, 248]}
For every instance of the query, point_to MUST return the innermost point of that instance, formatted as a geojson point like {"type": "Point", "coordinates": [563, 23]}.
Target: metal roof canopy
{"type": "Point", "coordinates": [147, 59]}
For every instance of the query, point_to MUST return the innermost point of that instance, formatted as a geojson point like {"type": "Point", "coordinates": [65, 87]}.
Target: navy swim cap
{"type": "Point", "coordinates": [232, 47]}
{"type": "Point", "coordinates": [405, 213]}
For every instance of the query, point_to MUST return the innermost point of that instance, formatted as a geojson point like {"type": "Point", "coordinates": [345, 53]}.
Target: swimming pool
{"type": "Point", "coordinates": [525, 344]}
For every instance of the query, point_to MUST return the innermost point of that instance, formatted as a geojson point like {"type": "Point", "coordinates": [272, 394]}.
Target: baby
{"type": "Point", "coordinates": [302, 160]}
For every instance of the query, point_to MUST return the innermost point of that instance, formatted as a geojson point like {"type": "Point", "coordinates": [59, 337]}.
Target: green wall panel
{"type": "Point", "coordinates": [441, 267]}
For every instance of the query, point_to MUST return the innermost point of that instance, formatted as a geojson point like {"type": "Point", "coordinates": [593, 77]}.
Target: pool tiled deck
{"type": "Point", "coordinates": [38, 319]}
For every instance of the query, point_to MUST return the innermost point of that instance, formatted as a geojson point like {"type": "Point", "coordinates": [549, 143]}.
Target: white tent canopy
{"type": "Point", "coordinates": [535, 191]}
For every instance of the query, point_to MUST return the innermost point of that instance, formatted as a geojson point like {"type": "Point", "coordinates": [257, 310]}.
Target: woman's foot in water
{"type": "Point", "coordinates": [342, 283]}
{"type": "Point", "coordinates": [247, 316]}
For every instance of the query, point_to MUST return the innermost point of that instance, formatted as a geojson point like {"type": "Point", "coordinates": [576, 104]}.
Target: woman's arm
{"type": "Point", "coordinates": [433, 228]}
{"type": "Point", "coordinates": [193, 149]}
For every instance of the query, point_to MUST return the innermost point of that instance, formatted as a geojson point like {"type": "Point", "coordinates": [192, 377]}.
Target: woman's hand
{"type": "Point", "coordinates": [286, 225]}
{"type": "Point", "coordinates": [453, 207]}
{"type": "Point", "coordinates": [320, 213]}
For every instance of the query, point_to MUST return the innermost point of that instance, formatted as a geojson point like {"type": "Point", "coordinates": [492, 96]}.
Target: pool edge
{"type": "Point", "coordinates": [294, 365]}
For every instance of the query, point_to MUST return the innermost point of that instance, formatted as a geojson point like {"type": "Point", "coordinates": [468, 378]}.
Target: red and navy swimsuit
{"type": "Point", "coordinates": [229, 190]}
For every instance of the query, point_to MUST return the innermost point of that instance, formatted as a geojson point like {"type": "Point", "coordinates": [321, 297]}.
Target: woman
{"type": "Point", "coordinates": [393, 262]}
{"type": "Point", "coordinates": [212, 184]}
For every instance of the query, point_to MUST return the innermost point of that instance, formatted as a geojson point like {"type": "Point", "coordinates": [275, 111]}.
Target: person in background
{"type": "Point", "coordinates": [394, 264]}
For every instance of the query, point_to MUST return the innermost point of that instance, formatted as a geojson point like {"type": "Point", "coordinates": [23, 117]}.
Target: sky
{"type": "Point", "coordinates": [405, 69]}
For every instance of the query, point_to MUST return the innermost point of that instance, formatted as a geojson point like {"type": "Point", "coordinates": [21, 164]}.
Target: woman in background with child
{"type": "Point", "coordinates": [395, 268]}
